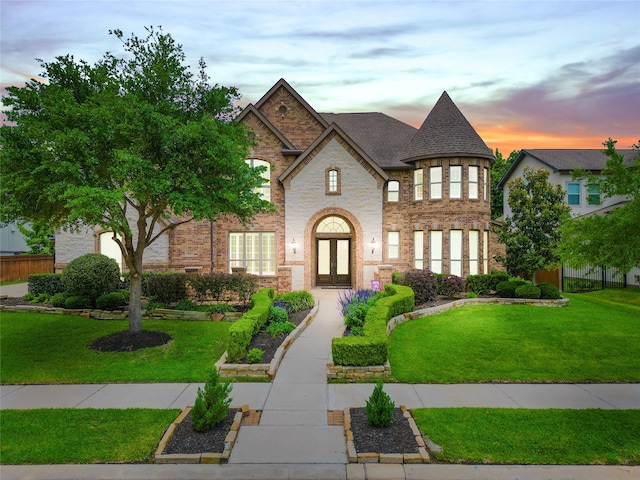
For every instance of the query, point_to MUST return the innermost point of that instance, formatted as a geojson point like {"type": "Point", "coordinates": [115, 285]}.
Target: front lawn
{"type": "Point", "coordinates": [542, 437]}
{"type": "Point", "coordinates": [48, 436]}
{"type": "Point", "coordinates": [45, 348]}
{"type": "Point", "coordinates": [595, 339]}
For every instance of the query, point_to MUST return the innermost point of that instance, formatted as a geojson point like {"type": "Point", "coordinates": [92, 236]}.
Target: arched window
{"type": "Point", "coordinates": [333, 225]}
{"type": "Point", "coordinates": [110, 248]}
{"type": "Point", "coordinates": [265, 189]}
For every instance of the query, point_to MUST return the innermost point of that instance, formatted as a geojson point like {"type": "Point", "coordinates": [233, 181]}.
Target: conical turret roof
{"type": "Point", "coordinates": [446, 133]}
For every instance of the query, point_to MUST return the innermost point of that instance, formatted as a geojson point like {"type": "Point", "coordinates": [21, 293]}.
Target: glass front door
{"type": "Point", "coordinates": [334, 262]}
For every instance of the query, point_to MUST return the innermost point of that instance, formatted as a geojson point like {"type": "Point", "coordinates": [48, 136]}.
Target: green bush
{"type": "Point", "coordinates": [243, 330]}
{"type": "Point", "coordinates": [59, 299]}
{"type": "Point", "coordinates": [211, 286]}
{"type": "Point", "coordinates": [168, 287]}
{"type": "Point", "coordinates": [255, 355]}
{"type": "Point", "coordinates": [527, 291]}
{"type": "Point", "coordinates": [295, 301]}
{"type": "Point", "coordinates": [423, 283]}
{"type": "Point", "coordinates": [49, 283]}
{"type": "Point", "coordinates": [42, 298]}
{"type": "Point", "coordinates": [277, 315]}
{"type": "Point", "coordinates": [186, 305]}
{"type": "Point", "coordinates": [221, 308]}
{"type": "Point", "coordinates": [280, 329]}
{"type": "Point", "coordinates": [355, 314]}
{"type": "Point", "coordinates": [212, 403]}
{"type": "Point", "coordinates": [396, 278]}
{"type": "Point", "coordinates": [28, 297]}
{"type": "Point", "coordinates": [78, 301]}
{"type": "Point", "coordinates": [508, 289]}
{"type": "Point", "coordinates": [91, 275]}
{"type": "Point", "coordinates": [379, 408]}
{"type": "Point", "coordinates": [483, 284]}
{"type": "Point", "coordinates": [549, 291]}
{"type": "Point", "coordinates": [126, 283]}
{"type": "Point", "coordinates": [243, 286]}
{"type": "Point", "coordinates": [110, 301]}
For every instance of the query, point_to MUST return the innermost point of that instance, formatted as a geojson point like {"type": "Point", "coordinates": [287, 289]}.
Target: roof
{"type": "Point", "coordinates": [446, 133]}
{"type": "Point", "coordinates": [382, 137]}
{"type": "Point", "coordinates": [567, 159]}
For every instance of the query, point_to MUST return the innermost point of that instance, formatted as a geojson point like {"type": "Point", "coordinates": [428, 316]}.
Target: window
{"type": "Point", "coordinates": [485, 252]}
{"type": "Point", "coordinates": [473, 252]}
{"type": "Point", "coordinates": [435, 183]}
{"type": "Point", "coordinates": [473, 182]}
{"type": "Point", "coordinates": [593, 194]}
{"type": "Point", "coordinates": [265, 189]}
{"type": "Point", "coordinates": [110, 248]}
{"type": "Point", "coordinates": [254, 250]}
{"type": "Point", "coordinates": [435, 250]}
{"type": "Point", "coordinates": [418, 249]}
{"type": "Point", "coordinates": [455, 256]}
{"type": "Point", "coordinates": [393, 191]}
{"type": "Point", "coordinates": [417, 184]}
{"type": "Point", "coordinates": [393, 245]}
{"type": "Point", "coordinates": [573, 194]}
{"type": "Point", "coordinates": [485, 183]}
{"type": "Point", "coordinates": [455, 182]}
{"type": "Point", "coordinates": [333, 225]}
{"type": "Point", "coordinates": [332, 181]}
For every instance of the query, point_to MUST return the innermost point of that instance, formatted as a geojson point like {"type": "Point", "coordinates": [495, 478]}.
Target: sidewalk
{"type": "Point", "coordinates": [293, 439]}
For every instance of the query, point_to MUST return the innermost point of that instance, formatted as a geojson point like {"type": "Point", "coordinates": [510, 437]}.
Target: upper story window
{"type": "Point", "coordinates": [393, 191]}
{"type": "Point", "coordinates": [473, 182]}
{"type": "Point", "coordinates": [593, 194]}
{"type": "Point", "coordinates": [265, 189]}
{"type": "Point", "coordinates": [435, 183]}
{"type": "Point", "coordinates": [573, 193]}
{"type": "Point", "coordinates": [332, 181]}
{"type": "Point", "coordinates": [418, 184]}
{"type": "Point", "coordinates": [485, 183]}
{"type": "Point", "coordinates": [455, 181]}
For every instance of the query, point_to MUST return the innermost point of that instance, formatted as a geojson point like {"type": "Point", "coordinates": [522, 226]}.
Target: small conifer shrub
{"type": "Point", "coordinates": [212, 403]}
{"type": "Point", "coordinates": [379, 408]}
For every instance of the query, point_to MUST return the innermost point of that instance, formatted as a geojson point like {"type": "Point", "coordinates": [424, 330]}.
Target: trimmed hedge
{"type": "Point", "coordinates": [372, 347]}
{"type": "Point", "coordinates": [482, 284]}
{"type": "Point", "coordinates": [549, 291]}
{"type": "Point", "coordinates": [508, 289]}
{"type": "Point", "coordinates": [243, 330]}
{"type": "Point", "coordinates": [49, 283]}
{"type": "Point", "coordinates": [167, 287]}
{"type": "Point", "coordinates": [527, 291]}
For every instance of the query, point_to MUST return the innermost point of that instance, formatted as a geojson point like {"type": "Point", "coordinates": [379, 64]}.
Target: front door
{"type": "Point", "coordinates": [334, 262]}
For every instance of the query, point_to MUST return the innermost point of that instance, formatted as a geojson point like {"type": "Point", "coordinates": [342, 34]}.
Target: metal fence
{"type": "Point", "coordinates": [592, 278]}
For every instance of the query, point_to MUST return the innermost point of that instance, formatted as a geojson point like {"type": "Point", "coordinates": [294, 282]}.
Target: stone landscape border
{"type": "Point", "coordinates": [354, 373]}
{"type": "Point", "coordinates": [373, 457]}
{"type": "Point", "coordinates": [264, 370]}
{"type": "Point", "coordinates": [205, 457]}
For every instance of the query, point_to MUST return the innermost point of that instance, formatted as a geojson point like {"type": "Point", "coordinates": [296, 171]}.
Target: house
{"type": "Point", "coordinates": [358, 196]}
{"type": "Point", "coordinates": [583, 198]}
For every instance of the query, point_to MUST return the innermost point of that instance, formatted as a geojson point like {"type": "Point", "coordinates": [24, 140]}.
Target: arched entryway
{"type": "Point", "coordinates": [333, 242]}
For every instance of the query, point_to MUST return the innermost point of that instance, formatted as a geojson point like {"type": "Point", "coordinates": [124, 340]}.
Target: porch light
{"type": "Point", "coordinates": [294, 244]}
{"type": "Point", "coordinates": [373, 245]}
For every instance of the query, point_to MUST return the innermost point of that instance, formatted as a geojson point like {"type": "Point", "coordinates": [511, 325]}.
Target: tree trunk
{"type": "Point", "coordinates": [135, 303]}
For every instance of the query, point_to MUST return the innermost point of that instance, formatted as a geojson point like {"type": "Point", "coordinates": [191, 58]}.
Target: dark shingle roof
{"type": "Point", "coordinates": [446, 133]}
{"type": "Point", "coordinates": [380, 136]}
{"type": "Point", "coordinates": [569, 159]}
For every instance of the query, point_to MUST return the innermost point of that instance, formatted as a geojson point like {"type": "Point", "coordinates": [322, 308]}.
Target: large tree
{"type": "Point", "coordinates": [531, 233]}
{"type": "Point", "coordinates": [611, 239]}
{"type": "Point", "coordinates": [135, 144]}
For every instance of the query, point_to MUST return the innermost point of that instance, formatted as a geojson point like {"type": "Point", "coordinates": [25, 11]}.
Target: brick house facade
{"type": "Point", "coordinates": [358, 197]}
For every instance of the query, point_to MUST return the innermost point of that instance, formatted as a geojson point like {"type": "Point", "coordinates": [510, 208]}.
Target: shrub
{"type": "Point", "coordinates": [78, 301]}
{"type": "Point", "coordinates": [549, 291]}
{"type": "Point", "coordinates": [91, 275]}
{"type": "Point", "coordinates": [451, 286]}
{"type": "Point", "coordinates": [277, 315]}
{"type": "Point", "coordinates": [42, 298]}
{"type": "Point", "coordinates": [482, 284]}
{"type": "Point", "coordinates": [49, 283]}
{"type": "Point", "coordinates": [423, 283]}
{"type": "Point", "coordinates": [243, 330]}
{"type": "Point", "coordinates": [28, 297]}
{"type": "Point", "coordinates": [295, 301]}
{"type": "Point", "coordinates": [220, 308]}
{"type": "Point", "coordinates": [527, 291]}
{"type": "Point", "coordinates": [379, 408]}
{"type": "Point", "coordinates": [59, 299]}
{"type": "Point", "coordinates": [355, 314]}
{"type": "Point", "coordinates": [210, 286]}
{"type": "Point", "coordinates": [508, 289]}
{"type": "Point", "coordinates": [280, 329]}
{"type": "Point", "coordinates": [212, 403]}
{"type": "Point", "coordinates": [110, 301]}
{"type": "Point", "coordinates": [354, 306]}
{"type": "Point", "coordinates": [255, 355]}
{"type": "Point", "coordinates": [186, 305]}
{"type": "Point", "coordinates": [168, 287]}
{"type": "Point", "coordinates": [396, 278]}
{"type": "Point", "coordinates": [244, 286]}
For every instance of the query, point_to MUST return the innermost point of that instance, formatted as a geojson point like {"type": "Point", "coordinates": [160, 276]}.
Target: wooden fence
{"type": "Point", "coordinates": [19, 267]}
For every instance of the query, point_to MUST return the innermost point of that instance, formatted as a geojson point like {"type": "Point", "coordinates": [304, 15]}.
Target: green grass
{"type": "Point", "coordinates": [48, 436]}
{"type": "Point", "coordinates": [44, 348]}
{"type": "Point", "coordinates": [595, 339]}
{"type": "Point", "coordinates": [543, 437]}
{"type": "Point", "coordinates": [13, 282]}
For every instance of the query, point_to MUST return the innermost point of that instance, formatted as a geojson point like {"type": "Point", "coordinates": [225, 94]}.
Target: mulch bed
{"type": "Point", "coordinates": [397, 438]}
{"type": "Point", "coordinates": [126, 341]}
{"type": "Point", "coordinates": [186, 440]}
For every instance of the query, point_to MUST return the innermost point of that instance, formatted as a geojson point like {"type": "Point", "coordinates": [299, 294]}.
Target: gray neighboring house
{"type": "Point", "coordinates": [12, 241]}
{"type": "Point", "coordinates": [584, 199]}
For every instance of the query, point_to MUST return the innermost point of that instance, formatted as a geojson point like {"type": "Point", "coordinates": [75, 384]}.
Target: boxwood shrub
{"type": "Point", "coordinates": [78, 301]}
{"type": "Point", "coordinates": [110, 301]}
{"type": "Point", "coordinates": [168, 287]}
{"type": "Point", "coordinates": [508, 289]}
{"type": "Point", "coordinates": [243, 330]}
{"type": "Point", "coordinates": [527, 291]}
{"type": "Point", "coordinates": [372, 347]}
{"type": "Point", "coordinates": [91, 275]}
{"type": "Point", "coordinates": [482, 284]}
{"type": "Point", "coordinates": [549, 291]}
{"type": "Point", "coordinates": [49, 283]}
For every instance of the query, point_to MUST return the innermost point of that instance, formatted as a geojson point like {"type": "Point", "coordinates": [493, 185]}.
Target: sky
{"type": "Point", "coordinates": [526, 74]}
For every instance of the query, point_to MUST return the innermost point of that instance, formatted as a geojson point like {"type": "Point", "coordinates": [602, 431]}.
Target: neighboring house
{"type": "Point", "coordinates": [358, 196]}
{"type": "Point", "coordinates": [583, 198]}
{"type": "Point", "coordinates": [12, 241]}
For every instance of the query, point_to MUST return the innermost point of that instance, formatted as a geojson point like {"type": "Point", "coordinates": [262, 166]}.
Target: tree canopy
{"type": "Point", "coordinates": [611, 239]}
{"type": "Point", "coordinates": [498, 169]}
{"type": "Point", "coordinates": [134, 144]}
{"type": "Point", "coordinates": [531, 233]}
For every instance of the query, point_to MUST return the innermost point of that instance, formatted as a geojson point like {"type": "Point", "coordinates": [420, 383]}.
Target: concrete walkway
{"type": "Point", "coordinates": [293, 439]}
